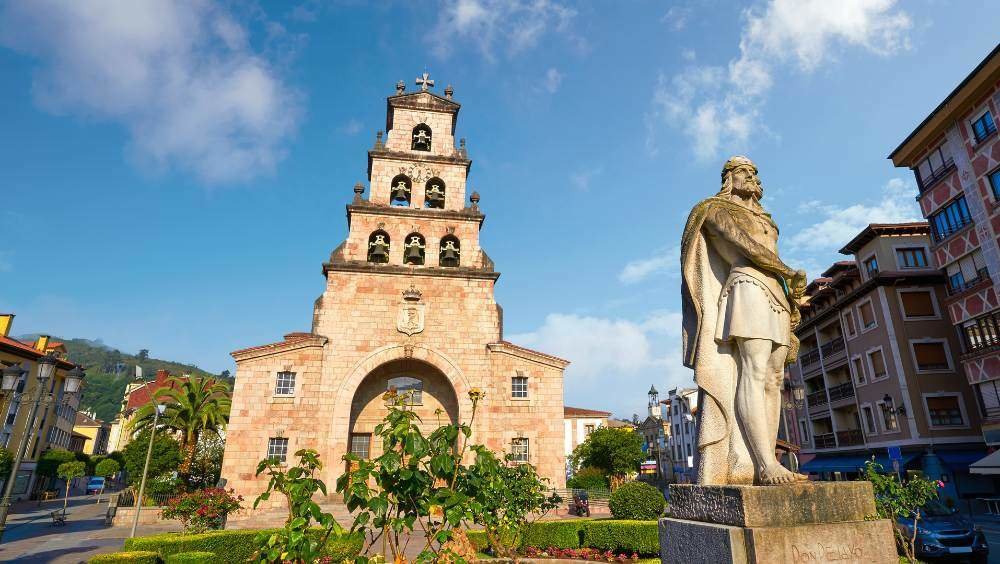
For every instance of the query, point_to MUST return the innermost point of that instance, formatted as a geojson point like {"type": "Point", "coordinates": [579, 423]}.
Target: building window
{"type": "Point", "coordinates": [803, 431]}
{"type": "Point", "coordinates": [421, 138]}
{"type": "Point", "coordinates": [931, 356]}
{"type": "Point", "coordinates": [966, 272]}
{"type": "Point", "coordinates": [869, 419]}
{"type": "Point", "coordinates": [995, 183]}
{"type": "Point", "coordinates": [410, 389]}
{"type": "Point", "coordinates": [378, 247]}
{"type": "Point", "coordinates": [877, 362]}
{"type": "Point", "coordinates": [933, 168]}
{"type": "Point", "coordinates": [945, 411]}
{"type": "Point", "coordinates": [687, 449]}
{"type": "Point", "coordinates": [859, 370]}
{"type": "Point", "coordinates": [361, 445]}
{"type": "Point", "coordinates": [519, 449]}
{"type": "Point", "coordinates": [413, 249]}
{"type": "Point", "coordinates": [917, 304]}
{"type": "Point", "coordinates": [871, 266]}
{"type": "Point", "coordinates": [277, 449]}
{"type": "Point", "coordinates": [983, 127]}
{"type": "Point", "coordinates": [284, 385]}
{"type": "Point", "coordinates": [889, 421]}
{"type": "Point", "coordinates": [400, 190]}
{"type": "Point", "coordinates": [519, 387]}
{"type": "Point", "coordinates": [950, 219]}
{"type": "Point", "coordinates": [587, 430]}
{"type": "Point", "coordinates": [434, 192]}
{"type": "Point", "coordinates": [451, 251]}
{"type": "Point", "coordinates": [849, 326]}
{"type": "Point", "coordinates": [911, 258]}
{"type": "Point", "coordinates": [867, 314]}
{"type": "Point", "coordinates": [982, 333]}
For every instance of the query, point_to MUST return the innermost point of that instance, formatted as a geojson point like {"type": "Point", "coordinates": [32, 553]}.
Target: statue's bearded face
{"type": "Point", "coordinates": [745, 183]}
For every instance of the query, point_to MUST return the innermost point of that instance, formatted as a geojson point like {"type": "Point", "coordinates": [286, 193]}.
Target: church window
{"type": "Point", "coordinates": [400, 191]}
{"type": "Point", "coordinates": [519, 449]}
{"type": "Point", "coordinates": [587, 430]}
{"type": "Point", "coordinates": [277, 449]}
{"type": "Point", "coordinates": [378, 247]}
{"type": "Point", "coordinates": [434, 194]}
{"type": "Point", "coordinates": [451, 251]}
{"type": "Point", "coordinates": [413, 249]}
{"type": "Point", "coordinates": [361, 445]}
{"type": "Point", "coordinates": [411, 389]}
{"type": "Point", "coordinates": [421, 138]}
{"type": "Point", "coordinates": [284, 385]}
{"type": "Point", "coordinates": [519, 387]}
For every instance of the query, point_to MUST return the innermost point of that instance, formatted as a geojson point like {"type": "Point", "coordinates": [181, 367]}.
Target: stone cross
{"type": "Point", "coordinates": [424, 81]}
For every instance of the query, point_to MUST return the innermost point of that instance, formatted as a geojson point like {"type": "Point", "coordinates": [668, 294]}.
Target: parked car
{"type": "Point", "coordinates": [95, 485]}
{"type": "Point", "coordinates": [945, 535]}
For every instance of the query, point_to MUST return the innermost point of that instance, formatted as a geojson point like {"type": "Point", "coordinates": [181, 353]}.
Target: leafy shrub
{"type": "Point", "coordinates": [588, 479]}
{"type": "Point", "coordinates": [478, 540]}
{"type": "Point", "coordinates": [202, 510]}
{"type": "Point", "coordinates": [196, 557]}
{"type": "Point", "coordinates": [127, 557]}
{"type": "Point", "coordinates": [636, 501]}
{"type": "Point", "coordinates": [558, 534]}
{"type": "Point", "coordinates": [48, 464]}
{"type": "Point", "coordinates": [236, 545]}
{"type": "Point", "coordinates": [641, 537]}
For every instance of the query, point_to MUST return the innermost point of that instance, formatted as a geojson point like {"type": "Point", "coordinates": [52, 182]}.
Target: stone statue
{"type": "Point", "coordinates": [740, 306]}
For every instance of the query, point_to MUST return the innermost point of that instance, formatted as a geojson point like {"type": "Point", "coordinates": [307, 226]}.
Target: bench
{"type": "Point", "coordinates": [58, 518]}
{"type": "Point", "coordinates": [47, 495]}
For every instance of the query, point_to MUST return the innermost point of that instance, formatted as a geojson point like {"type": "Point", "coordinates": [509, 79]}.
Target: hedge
{"type": "Point", "coordinates": [642, 537]}
{"type": "Point", "coordinates": [233, 546]}
{"type": "Point", "coordinates": [129, 557]}
{"type": "Point", "coordinates": [558, 534]}
{"type": "Point", "coordinates": [636, 500]}
{"type": "Point", "coordinates": [197, 557]}
{"type": "Point", "coordinates": [478, 540]}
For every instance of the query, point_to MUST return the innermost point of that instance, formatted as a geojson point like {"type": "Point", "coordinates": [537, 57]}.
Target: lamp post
{"type": "Point", "coordinates": [160, 408]}
{"type": "Point", "coordinates": [11, 376]}
{"type": "Point", "coordinates": [798, 395]}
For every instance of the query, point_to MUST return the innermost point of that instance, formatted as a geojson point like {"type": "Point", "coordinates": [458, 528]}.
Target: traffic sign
{"type": "Point", "coordinates": [895, 453]}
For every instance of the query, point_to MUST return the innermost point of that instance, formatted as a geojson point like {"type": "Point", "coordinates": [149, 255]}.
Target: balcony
{"type": "Point", "coordinates": [943, 232]}
{"type": "Point", "coordinates": [810, 358]}
{"type": "Point", "coordinates": [817, 398]}
{"type": "Point", "coordinates": [850, 438]}
{"type": "Point", "coordinates": [826, 440]}
{"type": "Point", "coordinates": [936, 175]}
{"type": "Point", "coordinates": [959, 287]}
{"type": "Point", "coordinates": [833, 347]}
{"type": "Point", "coordinates": [841, 391]}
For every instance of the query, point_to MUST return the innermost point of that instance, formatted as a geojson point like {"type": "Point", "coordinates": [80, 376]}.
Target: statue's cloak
{"type": "Point", "coordinates": [722, 456]}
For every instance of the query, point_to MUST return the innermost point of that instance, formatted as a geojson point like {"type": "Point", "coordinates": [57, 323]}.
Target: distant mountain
{"type": "Point", "coordinates": [109, 371]}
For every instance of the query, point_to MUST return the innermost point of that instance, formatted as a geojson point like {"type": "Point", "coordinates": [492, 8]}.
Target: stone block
{"type": "Point", "coordinates": [687, 542]}
{"type": "Point", "coordinates": [773, 506]}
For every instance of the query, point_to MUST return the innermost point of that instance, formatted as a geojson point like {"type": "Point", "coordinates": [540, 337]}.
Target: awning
{"type": "Point", "coordinates": [960, 460]}
{"type": "Point", "coordinates": [989, 464]}
{"type": "Point", "coordinates": [851, 462]}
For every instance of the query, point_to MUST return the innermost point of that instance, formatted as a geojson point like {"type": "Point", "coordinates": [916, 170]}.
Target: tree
{"type": "Point", "coordinates": [6, 463]}
{"type": "Point", "coordinates": [207, 465]}
{"type": "Point", "coordinates": [195, 406]}
{"type": "Point", "coordinates": [106, 468]}
{"type": "Point", "coordinates": [163, 462]}
{"type": "Point", "coordinates": [143, 354]}
{"type": "Point", "coordinates": [68, 471]}
{"type": "Point", "coordinates": [226, 375]}
{"type": "Point", "coordinates": [48, 463]}
{"type": "Point", "coordinates": [615, 451]}
{"type": "Point", "coordinates": [898, 501]}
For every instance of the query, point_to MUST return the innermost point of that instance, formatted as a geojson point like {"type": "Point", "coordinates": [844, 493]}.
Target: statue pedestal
{"type": "Point", "coordinates": [805, 522]}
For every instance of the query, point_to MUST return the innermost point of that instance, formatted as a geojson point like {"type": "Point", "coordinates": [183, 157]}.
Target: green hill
{"type": "Point", "coordinates": [110, 370]}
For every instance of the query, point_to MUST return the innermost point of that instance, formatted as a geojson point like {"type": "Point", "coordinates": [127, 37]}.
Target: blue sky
{"type": "Point", "coordinates": [174, 175]}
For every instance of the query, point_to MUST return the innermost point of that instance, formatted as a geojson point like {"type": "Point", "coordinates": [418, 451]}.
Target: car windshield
{"type": "Point", "coordinates": [935, 508]}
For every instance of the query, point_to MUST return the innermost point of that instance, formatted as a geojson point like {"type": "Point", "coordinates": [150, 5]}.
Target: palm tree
{"type": "Point", "coordinates": [195, 405]}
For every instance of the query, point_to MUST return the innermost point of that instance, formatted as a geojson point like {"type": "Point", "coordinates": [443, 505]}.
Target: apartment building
{"type": "Point", "coordinates": [682, 409]}
{"type": "Point", "coordinates": [879, 367]}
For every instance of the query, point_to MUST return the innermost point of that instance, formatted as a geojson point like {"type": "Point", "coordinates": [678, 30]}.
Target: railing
{"type": "Point", "coordinates": [817, 398]}
{"type": "Point", "coordinates": [826, 440]}
{"type": "Point", "coordinates": [981, 274]}
{"type": "Point", "coordinates": [989, 130]}
{"type": "Point", "coordinates": [597, 497]}
{"type": "Point", "coordinates": [127, 499]}
{"type": "Point", "coordinates": [850, 437]}
{"type": "Point", "coordinates": [841, 391]}
{"type": "Point", "coordinates": [811, 357]}
{"type": "Point", "coordinates": [993, 412]}
{"type": "Point", "coordinates": [935, 175]}
{"type": "Point", "coordinates": [940, 234]}
{"type": "Point", "coordinates": [833, 347]}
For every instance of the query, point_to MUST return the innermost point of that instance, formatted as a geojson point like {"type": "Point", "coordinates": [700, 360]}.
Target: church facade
{"type": "Point", "coordinates": [409, 305]}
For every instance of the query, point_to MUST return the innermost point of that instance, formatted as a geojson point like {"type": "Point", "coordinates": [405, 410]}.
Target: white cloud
{"type": "Point", "coordinates": [664, 261]}
{"type": "Point", "coordinates": [838, 225]}
{"type": "Point", "coordinates": [352, 127]}
{"type": "Point", "coordinates": [581, 179]}
{"type": "Point", "coordinates": [689, 54]}
{"type": "Point", "coordinates": [513, 25]}
{"type": "Point", "coordinates": [553, 78]}
{"type": "Point", "coordinates": [719, 108]}
{"type": "Point", "coordinates": [181, 77]}
{"type": "Point", "coordinates": [613, 354]}
{"type": "Point", "coordinates": [677, 17]}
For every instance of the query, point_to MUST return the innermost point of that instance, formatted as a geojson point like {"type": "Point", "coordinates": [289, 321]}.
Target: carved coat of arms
{"type": "Point", "coordinates": [410, 319]}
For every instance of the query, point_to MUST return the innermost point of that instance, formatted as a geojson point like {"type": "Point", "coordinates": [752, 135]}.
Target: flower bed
{"type": "Point", "coordinates": [580, 554]}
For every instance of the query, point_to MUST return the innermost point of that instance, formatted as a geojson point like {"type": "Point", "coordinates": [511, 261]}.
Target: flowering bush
{"type": "Point", "coordinates": [580, 554]}
{"type": "Point", "coordinates": [202, 510]}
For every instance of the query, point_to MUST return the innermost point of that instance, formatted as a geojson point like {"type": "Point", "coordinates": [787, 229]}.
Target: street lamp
{"type": "Point", "coordinates": [160, 408]}
{"type": "Point", "coordinates": [8, 384]}
{"type": "Point", "coordinates": [887, 402]}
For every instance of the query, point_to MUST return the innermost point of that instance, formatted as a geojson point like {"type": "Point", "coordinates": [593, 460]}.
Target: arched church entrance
{"type": "Point", "coordinates": [426, 389]}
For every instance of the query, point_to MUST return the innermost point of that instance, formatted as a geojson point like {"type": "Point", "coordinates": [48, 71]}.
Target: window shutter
{"type": "Point", "coordinates": [942, 403]}
{"type": "Point", "coordinates": [930, 355]}
{"type": "Point", "coordinates": [917, 304]}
